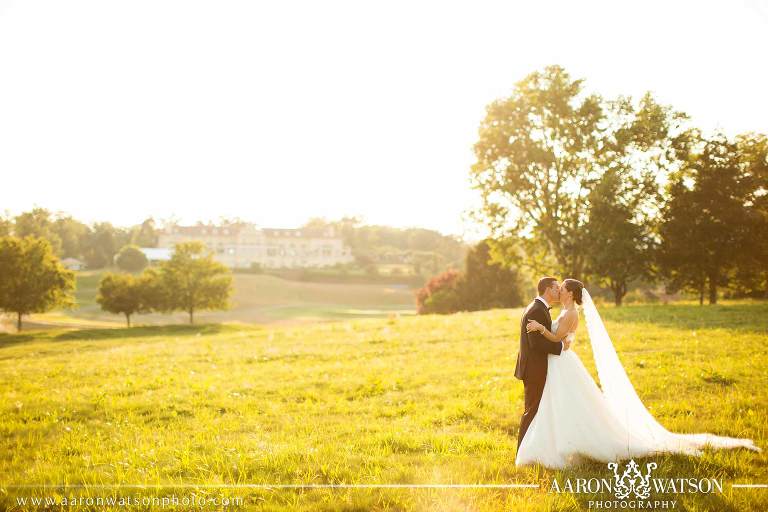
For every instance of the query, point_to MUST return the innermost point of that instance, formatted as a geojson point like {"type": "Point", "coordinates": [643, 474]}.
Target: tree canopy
{"type": "Point", "coordinates": [194, 280]}
{"type": "Point", "coordinates": [542, 151]}
{"type": "Point", "coordinates": [34, 281]}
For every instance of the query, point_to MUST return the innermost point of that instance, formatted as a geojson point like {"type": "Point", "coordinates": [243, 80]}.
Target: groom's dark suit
{"type": "Point", "coordinates": [531, 365]}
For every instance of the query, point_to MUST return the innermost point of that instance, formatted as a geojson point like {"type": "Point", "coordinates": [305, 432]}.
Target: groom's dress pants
{"type": "Point", "coordinates": [533, 389]}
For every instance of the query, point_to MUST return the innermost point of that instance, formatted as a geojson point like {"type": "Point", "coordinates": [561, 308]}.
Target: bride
{"type": "Point", "coordinates": [576, 419]}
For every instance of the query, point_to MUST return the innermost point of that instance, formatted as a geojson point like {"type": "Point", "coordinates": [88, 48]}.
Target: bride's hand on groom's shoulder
{"type": "Point", "coordinates": [532, 326]}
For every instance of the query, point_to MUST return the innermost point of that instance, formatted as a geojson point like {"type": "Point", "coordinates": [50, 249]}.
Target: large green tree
{"type": "Point", "coordinates": [542, 150]}
{"type": "Point", "coordinates": [751, 276]}
{"type": "Point", "coordinates": [708, 219]}
{"type": "Point", "coordinates": [619, 236]}
{"type": "Point", "coordinates": [33, 280]}
{"type": "Point", "coordinates": [194, 281]}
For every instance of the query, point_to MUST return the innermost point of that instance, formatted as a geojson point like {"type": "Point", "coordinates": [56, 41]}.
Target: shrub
{"type": "Point", "coordinates": [440, 294]}
{"type": "Point", "coordinates": [131, 259]}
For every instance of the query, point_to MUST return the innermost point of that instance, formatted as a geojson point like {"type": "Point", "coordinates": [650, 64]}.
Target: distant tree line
{"type": "Point", "coordinates": [618, 191]}
{"type": "Point", "coordinates": [427, 251]}
{"type": "Point", "coordinates": [96, 245]}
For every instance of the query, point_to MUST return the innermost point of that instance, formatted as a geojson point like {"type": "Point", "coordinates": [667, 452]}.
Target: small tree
{"type": "Point", "coordinates": [194, 281]}
{"type": "Point", "coordinates": [131, 259]}
{"type": "Point", "coordinates": [124, 294]}
{"type": "Point", "coordinates": [33, 279]}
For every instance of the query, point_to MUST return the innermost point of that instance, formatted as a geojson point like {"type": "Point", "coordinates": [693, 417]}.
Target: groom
{"type": "Point", "coordinates": [531, 365]}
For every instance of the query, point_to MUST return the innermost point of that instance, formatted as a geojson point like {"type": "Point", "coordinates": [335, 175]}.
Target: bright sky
{"type": "Point", "coordinates": [279, 111]}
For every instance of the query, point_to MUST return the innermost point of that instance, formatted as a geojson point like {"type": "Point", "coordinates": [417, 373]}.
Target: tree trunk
{"type": "Point", "coordinates": [128, 319]}
{"type": "Point", "coordinates": [712, 290]}
{"type": "Point", "coordinates": [701, 294]}
{"type": "Point", "coordinates": [18, 322]}
{"type": "Point", "coordinates": [191, 316]}
{"type": "Point", "coordinates": [619, 291]}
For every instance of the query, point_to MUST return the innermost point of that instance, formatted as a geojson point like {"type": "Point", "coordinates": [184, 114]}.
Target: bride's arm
{"type": "Point", "coordinates": [562, 328]}
{"type": "Point", "coordinates": [535, 340]}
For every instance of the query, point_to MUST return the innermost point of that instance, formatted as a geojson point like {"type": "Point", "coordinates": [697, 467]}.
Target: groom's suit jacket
{"type": "Point", "coordinates": [534, 347]}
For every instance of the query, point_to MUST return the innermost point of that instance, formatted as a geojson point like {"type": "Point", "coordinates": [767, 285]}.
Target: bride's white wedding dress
{"type": "Point", "coordinates": [576, 418]}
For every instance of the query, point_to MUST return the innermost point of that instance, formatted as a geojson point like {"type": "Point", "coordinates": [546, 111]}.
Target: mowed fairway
{"type": "Point", "coordinates": [256, 298]}
{"type": "Point", "coordinates": [408, 400]}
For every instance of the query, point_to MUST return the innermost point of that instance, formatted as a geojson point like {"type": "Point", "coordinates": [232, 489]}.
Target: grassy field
{"type": "Point", "coordinates": [405, 400]}
{"type": "Point", "coordinates": [257, 298]}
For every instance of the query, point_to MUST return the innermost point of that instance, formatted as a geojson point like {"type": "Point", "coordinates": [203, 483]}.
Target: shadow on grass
{"type": "Point", "coordinates": [120, 333]}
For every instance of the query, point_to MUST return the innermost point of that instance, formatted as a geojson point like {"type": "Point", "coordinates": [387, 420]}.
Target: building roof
{"type": "Point", "coordinates": [300, 232]}
{"type": "Point", "coordinates": [204, 230]}
{"type": "Point", "coordinates": [232, 230]}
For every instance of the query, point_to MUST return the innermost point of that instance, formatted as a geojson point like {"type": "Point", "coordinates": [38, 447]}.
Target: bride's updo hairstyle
{"type": "Point", "coordinates": [575, 286]}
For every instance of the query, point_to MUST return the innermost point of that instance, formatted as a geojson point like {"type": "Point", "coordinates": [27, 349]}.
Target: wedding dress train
{"type": "Point", "coordinates": [576, 418]}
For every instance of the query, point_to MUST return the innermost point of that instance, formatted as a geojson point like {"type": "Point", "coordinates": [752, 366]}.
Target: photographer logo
{"type": "Point", "coordinates": [634, 487]}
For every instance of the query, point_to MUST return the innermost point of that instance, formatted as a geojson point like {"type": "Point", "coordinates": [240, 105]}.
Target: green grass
{"type": "Point", "coordinates": [257, 298]}
{"type": "Point", "coordinates": [408, 400]}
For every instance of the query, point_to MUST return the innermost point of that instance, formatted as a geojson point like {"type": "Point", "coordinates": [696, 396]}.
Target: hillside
{"type": "Point", "coordinates": [257, 298]}
{"type": "Point", "coordinates": [408, 400]}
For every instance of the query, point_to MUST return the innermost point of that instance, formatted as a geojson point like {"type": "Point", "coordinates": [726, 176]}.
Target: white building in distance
{"type": "Point", "coordinates": [156, 254]}
{"type": "Point", "coordinates": [241, 245]}
{"type": "Point", "coordinates": [73, 264]}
